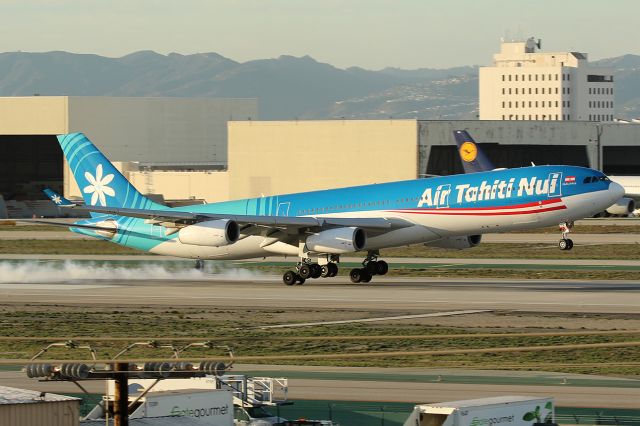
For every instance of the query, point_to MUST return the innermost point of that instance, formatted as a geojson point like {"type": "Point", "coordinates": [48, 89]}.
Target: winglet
{"type": "Point", "coordinates": [58, 199]}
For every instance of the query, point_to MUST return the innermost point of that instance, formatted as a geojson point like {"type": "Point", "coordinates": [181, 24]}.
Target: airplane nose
{"type": "Point", "coordinates": [616, 190]}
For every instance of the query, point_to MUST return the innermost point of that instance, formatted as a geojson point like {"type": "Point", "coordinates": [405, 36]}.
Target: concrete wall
{"type": "Point", "coordinates": [159, 130]}
{"type": "Point", "coordinates": [35, 115]}
{"type": "Point", "coordinates": [275, 157]}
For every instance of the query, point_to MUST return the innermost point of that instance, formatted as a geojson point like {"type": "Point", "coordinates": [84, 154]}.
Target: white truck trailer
{"type": "Point", "coordinates": [496, 411]}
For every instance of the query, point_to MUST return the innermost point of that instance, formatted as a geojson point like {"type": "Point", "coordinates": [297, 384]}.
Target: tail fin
{"type": "Point", "coordinates": [100, 182]}
{"type": "Point", "coordinates": [473, 158]}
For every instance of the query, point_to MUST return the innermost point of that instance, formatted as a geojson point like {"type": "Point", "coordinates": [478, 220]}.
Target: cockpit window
{"type": "Point", "coordinates": [591, 179]}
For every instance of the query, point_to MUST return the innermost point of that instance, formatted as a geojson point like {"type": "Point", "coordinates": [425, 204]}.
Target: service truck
{"type": "Point", "coordinates": [495, 411]}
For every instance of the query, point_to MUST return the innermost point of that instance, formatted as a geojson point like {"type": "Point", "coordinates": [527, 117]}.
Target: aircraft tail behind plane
{"type": "Point", "coordinates": [101, 184]}
{"type": "Point", "coordinates": [473, 158]}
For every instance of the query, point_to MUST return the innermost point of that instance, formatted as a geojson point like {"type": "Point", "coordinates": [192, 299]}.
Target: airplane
{"type": "Point", "coordinates": [474, 160]}
{"type": "Point", "coordinates": [320, 226]}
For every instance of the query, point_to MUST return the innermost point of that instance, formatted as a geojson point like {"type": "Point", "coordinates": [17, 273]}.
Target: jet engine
{"type": "Point", "coordinates": [457, 243]}
{"type": "Point", "coordinates": [624, 206]}
{"type": "Point", "coordinates": [337, 240]}
{"type": "Point", "coordinates": [214, 233]}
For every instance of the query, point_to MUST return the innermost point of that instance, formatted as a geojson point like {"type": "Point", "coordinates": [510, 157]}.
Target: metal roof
{"type": "Point", "coordinates": [10, 395]}
{"type": "Point", "coordinates": [468, 403]}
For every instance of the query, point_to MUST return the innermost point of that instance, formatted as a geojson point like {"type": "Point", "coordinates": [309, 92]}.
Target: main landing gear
{"type": "Point", "coordinates": [370, 266]}
{"type": "Point", "coordinates": [307, 269]}
{"type": "Point", "coordinates": [565, 243]}
{"type": "Point", "coordinates": [199, 264]}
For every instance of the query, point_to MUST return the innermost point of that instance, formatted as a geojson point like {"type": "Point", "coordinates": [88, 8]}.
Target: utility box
{"type": "Point", "coordinates": [496, 411]}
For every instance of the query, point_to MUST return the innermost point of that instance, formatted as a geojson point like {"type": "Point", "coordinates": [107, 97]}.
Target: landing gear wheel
{"type": "Point", "coordinates": [316, 270]}
{"type": "Point", "coordinates": [326, 272]}
{"type": "Point", "coordinates": [304, 271]}
{"type": "Point", "coordinates": [356, 275]}
{"type": "Point", "coordinates": [333, 269]}
{"type": "Point", "coordinates": [570, 243]}
{"type": "Point", "coordinates": [563, 244]}
{"type": "Point", "coordinates": [383, 267]}
{"type": "Point", "coordinates": [290, 278]}
{"type": "Point", "coordinates": [199, 264]}
{"type": "Point", "coordinates": [299, 280]}
{"type": "Point", "coordinates": [371, 267]}
{"type": "Point", "coordinates": [365, 278]}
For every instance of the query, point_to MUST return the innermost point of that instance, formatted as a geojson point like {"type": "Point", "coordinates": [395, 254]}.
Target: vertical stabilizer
{"type": "Point", "coordinates": [100, 182]}
{"type": "Point", "coordinates": [474, 160]}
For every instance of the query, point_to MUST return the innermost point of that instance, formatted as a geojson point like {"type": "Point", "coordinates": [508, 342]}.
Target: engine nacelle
{"type": "Point", "coordinates": [337, 240]}
{"type": "Point", "coordinates": [213, 233]}
{"type": "Point", "coordinates": [624, 206]}
{"type": "Point", "coordinates": [457, 243]}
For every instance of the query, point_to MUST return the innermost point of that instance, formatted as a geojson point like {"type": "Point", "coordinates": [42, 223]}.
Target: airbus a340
{"type": "Point", "coordinates": [317, 227]}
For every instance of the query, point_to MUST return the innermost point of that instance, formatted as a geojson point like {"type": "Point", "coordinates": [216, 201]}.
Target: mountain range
{"type": "Point", "coordinates": [286, 87]}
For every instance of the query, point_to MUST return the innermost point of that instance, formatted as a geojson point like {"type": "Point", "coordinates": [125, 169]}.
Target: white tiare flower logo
{"type": "Point", "coordinates": [56, 199]}
{"type": "Point", "coordinates": [99, 186]}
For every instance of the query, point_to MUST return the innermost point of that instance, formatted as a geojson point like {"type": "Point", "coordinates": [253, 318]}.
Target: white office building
{"type": "Point", "coordinates": [526, 84]}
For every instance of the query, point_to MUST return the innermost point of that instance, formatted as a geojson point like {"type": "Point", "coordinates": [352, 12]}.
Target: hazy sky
{"type": "Point", "coordinates": [369, 33]}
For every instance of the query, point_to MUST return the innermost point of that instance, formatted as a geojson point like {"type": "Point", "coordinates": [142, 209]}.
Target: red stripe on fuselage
{"type": "Point", "coordinates": [514, 206]}
{"type": "Point", "coordinates": [475, 212]}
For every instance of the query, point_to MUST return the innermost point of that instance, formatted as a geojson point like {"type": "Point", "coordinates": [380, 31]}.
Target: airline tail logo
{"type": "Point", "coordinates": [468, 151]}
{"type": "Point", "coordinates": [98, 186]}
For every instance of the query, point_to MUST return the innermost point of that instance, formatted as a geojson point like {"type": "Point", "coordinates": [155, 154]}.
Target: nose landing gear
{"type": "Point", "coordinates": [565, 243]}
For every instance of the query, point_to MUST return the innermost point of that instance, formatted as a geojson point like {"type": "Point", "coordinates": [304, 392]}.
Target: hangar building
{"type": "Point", "coordinates": [214, 149]}
{"type": "Point", "coordinates": [160, 134]}
{"type": "Point", "coordinates": [270, 157]}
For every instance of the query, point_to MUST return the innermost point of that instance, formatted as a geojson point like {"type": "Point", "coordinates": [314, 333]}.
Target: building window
{"type": "Point", "coordinates": [542, 77]}
{"type": "Point", "coordinates": [568, 104]}
{"type": "Point", "coordinates": [536, 77]}
{"type": "Point", "coordinates": [542, 104]}
{"type": "Point", "coordinates": [516, 91]}
{"type": "Point", "coordinates": [502, 77]}
{"type": "Point", "coordinates": [536, 90]}
{"type": "Point", "coordinates": [509, 90]}
{"type": "Point", "coordinates": [509, 77]}
{"type": "Point", "coordinates": [556, 90]}
{"type": "Point", "coordinates": [502, 104]}
{"type": "Point", "coordinates": [568, 77]}
{"type": "Point", "coordinates": [556, 103]}
{"type": "Point", "coordinates": [529, 116]}
{"type": "Point", "coordinates": [536, 107]}
{"type": "Point", "coordinates": [589, 90]}
{"type": "Point", "coordinates": [503, 116]}
{"type": "Point", "coordinates": [509, 104]}
{"type": "Point", "coordinates": [529, 77]}
{"type": "Point", "coordinates": [568, 90]}
{"type": "Point", "coordinates": [556, 77]}
{"type": "Point", "coordinates": [529, 104]}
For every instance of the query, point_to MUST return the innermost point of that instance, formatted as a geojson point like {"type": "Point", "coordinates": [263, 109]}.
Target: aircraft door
{"type": "Point", "coordinates": [283, 209]}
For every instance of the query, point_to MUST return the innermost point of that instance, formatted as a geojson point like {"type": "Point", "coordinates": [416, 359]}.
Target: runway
{"type": "Point", "coordinates": [387, 294]}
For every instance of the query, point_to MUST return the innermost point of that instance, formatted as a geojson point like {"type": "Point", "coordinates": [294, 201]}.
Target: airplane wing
{"type": "Point", "coordinates": [182, 218]}
{"type": "Point", "coordinates": [186, 218]}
